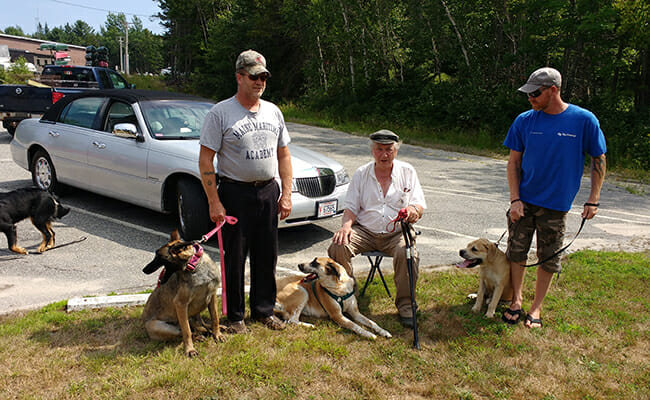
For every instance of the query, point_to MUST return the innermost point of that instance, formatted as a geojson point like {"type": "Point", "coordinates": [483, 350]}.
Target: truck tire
{"type": "Point", "coordinates": [193, 210]}
{"type": "Point", "coordinates": [43, 172]}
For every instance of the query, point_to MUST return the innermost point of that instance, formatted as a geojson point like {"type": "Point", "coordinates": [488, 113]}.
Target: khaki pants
{"type": "Point", "coordinates": [393, 245]}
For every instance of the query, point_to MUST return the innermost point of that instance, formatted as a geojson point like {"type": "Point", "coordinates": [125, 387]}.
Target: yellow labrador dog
{"type": "Point", "coordinates": [494, 281]}
{"type": "Point", "coordinates": [328, 291]}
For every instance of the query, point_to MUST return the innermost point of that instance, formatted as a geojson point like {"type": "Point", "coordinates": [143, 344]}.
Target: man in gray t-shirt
{"type": "Point", "coordinates": [249, 138]}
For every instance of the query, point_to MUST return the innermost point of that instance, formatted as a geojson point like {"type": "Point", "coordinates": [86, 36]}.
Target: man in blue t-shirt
{"type": "Point", "coordinates": [547, 153]}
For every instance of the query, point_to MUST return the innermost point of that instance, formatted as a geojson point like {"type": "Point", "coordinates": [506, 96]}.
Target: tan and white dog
{"type": "Point", "coordinates": [327, 292]}
{"type": "Point", "coordinates": [494, 283]}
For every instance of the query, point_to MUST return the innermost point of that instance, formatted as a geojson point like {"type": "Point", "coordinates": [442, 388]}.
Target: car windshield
{"type": "Point", "coordinates": [175, 119]}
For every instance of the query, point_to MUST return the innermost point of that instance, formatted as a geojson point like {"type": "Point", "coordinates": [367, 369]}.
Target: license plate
{"type": "Point", "coordinates": [327, 208]}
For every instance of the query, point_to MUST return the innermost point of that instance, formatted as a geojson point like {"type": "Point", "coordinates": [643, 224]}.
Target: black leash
{"type": "Point", "coordinates": [67, 244]}
{"type": "Point", "coordinates": [582, 224]}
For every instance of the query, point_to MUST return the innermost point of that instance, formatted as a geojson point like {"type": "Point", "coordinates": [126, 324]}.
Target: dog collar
{"type": "Point", "coordinates": [196, 257]}
{"type": "Point", "coordinates": [160, 277]}
{"type": "Point", "coordinates": [338, 299]}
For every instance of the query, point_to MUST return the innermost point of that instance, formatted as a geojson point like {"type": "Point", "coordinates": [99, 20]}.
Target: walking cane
{"type": "Point", "coordinates": [408, 238]}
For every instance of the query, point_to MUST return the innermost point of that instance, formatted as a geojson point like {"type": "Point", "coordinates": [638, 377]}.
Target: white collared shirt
{"type": "Point", "coordinates": [366, 200]}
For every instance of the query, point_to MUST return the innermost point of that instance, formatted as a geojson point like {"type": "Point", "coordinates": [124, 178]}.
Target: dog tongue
{"type": "Point", "coordinates": [463, 264]}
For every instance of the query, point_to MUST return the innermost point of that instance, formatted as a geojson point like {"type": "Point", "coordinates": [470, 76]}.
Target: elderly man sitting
{"type": "Point", "coordinates": [377, 192]}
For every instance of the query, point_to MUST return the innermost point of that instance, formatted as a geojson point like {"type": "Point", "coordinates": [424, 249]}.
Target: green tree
{"type": "Point", "coordinates": [14, 30]}
{"type": "Point", "coordinates": [450, 65]}
{"type": "Point", "coordinates": [18, 72]}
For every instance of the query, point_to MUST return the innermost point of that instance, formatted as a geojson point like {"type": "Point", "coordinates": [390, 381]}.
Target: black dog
{"type": "Point", "coordinates": [40, 205]}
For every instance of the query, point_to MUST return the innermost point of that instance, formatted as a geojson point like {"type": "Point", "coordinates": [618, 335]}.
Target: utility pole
{"type": "Point", "coordinates": [121, 39]}
{"type": "Point", "coordinates": [126, 46]}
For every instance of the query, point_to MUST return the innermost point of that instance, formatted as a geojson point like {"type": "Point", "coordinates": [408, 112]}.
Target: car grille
{"type": "Point", "coordinates": [317, 186]}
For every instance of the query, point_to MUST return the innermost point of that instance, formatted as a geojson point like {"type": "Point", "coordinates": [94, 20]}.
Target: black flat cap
{"type": "Point", "coordinates": [384, 136]}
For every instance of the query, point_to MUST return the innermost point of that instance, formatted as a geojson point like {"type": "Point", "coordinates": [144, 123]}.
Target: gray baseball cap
{"type": "Point", "coordinates": [252, 62]}
{"type": "Point", "coordinates": [384, 136]}
{"type": "Point", "coordinates": [546, 77]}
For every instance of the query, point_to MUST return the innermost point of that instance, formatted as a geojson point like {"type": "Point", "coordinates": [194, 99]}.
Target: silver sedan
{"type": "Point", "coordinates": [142, 147]}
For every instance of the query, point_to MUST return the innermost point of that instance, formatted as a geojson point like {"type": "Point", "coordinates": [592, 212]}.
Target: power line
{"type": "Point", "coordinates": [102, 9]}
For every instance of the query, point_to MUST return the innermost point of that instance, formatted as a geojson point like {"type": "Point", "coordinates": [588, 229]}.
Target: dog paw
{"type": "Point", "coordinates": [18, 250]}
{"type": "Point", "coordinates": [476, 309]}
{"type": "Point", "coordinates": [489, 314]}
{"type": "Point", "coordinates": [198, 337]}
{"type": "Point", "coordinates": [368, 335]}
{"type": "Point", "coordinates": [191, 352]}
{"type": "Point", "coordinates": [386, 334]}
{"type": "Point", "coordinates": [305, 324]}
{"type": "Point", "coordinates": [219, 337]}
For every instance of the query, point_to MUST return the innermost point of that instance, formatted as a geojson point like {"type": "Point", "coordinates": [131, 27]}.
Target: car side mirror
{"type": "Point", "coordinates": [127, 130]}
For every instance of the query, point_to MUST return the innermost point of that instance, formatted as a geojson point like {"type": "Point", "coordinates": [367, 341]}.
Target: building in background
{"type": "Point", "coordinates": [43, 52]}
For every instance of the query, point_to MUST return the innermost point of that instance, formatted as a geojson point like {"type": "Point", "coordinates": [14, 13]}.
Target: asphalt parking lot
{"type": "Point", "coordinates": [467, 198]}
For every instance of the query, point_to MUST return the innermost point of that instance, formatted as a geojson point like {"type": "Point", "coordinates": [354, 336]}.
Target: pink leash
{"type": "Point", "coordinates": [230, 220]}
{"type": "Point", "coordinates": [401, 215]}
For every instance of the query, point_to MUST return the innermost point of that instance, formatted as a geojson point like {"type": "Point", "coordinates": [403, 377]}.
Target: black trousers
{"type": "Point", "coordinates": [255, 233]}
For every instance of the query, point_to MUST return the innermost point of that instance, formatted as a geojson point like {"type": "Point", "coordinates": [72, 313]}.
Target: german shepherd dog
{"type": "Point", "coordinates": [40, 205]}
{"type": "Point", "coordinates": [327, 292]}
{"type": "Point", "coordinates": [188, 286]}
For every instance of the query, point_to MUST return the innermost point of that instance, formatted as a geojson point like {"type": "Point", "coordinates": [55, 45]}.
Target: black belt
{"type": "Point", "coordinates": [253, 183]}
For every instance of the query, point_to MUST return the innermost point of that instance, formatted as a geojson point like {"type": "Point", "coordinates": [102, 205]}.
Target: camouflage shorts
{"type": "Point", "coordinates": [550, 227]}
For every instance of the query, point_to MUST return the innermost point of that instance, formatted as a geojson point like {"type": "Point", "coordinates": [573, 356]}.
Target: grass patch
{"type": "Point", "coordinates": [594, 345]}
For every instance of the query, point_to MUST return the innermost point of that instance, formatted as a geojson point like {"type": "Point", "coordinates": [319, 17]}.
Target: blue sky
{"type": "Point", "coordinates": [27, 13]}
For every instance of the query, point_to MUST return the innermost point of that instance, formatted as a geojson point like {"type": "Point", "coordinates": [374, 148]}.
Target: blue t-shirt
{"type": "Point", "coordinates": [554, 148]}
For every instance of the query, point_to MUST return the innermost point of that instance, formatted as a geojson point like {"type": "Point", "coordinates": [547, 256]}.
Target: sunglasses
{"type": "Point", "coordinates": [536, 93]}
{"type": "Point", "coordinates": [263, 76]}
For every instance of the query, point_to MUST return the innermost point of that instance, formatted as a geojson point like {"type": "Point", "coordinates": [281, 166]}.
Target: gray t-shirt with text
{"type": "Point", "coordinates": [246, 142]}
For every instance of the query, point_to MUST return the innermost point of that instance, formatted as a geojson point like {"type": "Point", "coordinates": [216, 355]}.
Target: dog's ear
{"type": "Point", "coordinates": [174, 236]}
{"type": "Point", "coordinates": [492, 249]}
{"type": "Point", "coordinates": [331, 269]}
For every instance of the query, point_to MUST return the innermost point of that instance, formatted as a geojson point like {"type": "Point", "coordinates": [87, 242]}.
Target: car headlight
{"type": "Point", "coordinates": [342, 177]}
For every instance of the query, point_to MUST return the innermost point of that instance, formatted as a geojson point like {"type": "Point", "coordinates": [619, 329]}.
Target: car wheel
{"type": "Point", "coordinates": [43, 172]}
{"type": "Point", "coordinates": [193, 210]}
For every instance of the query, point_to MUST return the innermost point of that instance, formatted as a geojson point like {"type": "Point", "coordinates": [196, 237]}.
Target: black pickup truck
{"type": "Point", "coordinates": [18, 102]}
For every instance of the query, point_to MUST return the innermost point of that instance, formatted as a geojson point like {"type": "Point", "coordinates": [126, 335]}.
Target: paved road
{"type": "Point", "coordinates": [467, 198]}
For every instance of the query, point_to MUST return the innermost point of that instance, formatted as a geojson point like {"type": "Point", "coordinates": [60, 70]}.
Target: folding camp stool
{"type": "Point", "coordinates": [375, 267]}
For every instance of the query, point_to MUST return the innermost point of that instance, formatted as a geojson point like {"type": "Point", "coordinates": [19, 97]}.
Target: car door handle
{"type": "Point", "coordinates": [99, 145]}
{"type": "Point", "coordinates": [54, 134]}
